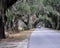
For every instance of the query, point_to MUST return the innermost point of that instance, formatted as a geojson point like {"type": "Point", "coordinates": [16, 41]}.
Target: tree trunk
{"type": "Point", "coordinates": [28, 18]}
{"type": "Point", "coordinates": [57, 23]}
{"type": "Point", "coordinates": [16, 24]}
{"type": "Point", "coordinates": [2, 32]}
{"type": "Point", "coordinates": [4, 4]}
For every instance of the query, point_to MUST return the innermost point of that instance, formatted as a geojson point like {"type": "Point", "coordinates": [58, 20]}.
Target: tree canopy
{"type": "Point", "coordinates": [45, 10]}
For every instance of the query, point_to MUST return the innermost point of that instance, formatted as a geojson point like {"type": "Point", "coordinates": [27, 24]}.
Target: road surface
{"type": "Point", "coordinates": [14, 44]}
{"type": "Point", "coordinates": [44, 38]}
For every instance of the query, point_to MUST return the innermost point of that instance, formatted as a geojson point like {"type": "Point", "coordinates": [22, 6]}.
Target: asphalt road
{"type": "Point", "coordinates": [14, 44]}
{"type": "Point", "coordinates": [44, 38]}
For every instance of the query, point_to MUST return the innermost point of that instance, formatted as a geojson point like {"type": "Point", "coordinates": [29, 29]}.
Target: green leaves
{"type": "Point", "coordinates": [23, 8]}
{"type": "Point", "coordinates": [49, 8]}
{"type": "Point", "coordinates": [44, 9]}
{"type": "Point", "coordinates": [9, 14]}
{"type": "Point", "coordinates": [27, 8]}
{"type": "Point", "coordinates": [34, 8]}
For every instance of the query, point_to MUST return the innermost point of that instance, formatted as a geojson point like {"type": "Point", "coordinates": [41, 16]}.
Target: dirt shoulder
{"type": "Point", "coordinates": [19, 36]}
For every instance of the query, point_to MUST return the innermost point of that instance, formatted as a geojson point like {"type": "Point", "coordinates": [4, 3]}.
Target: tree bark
{"type": "Point", "coordinates": [4, 4]}
{"type": "Point", "coordinates": [57, 23]}
{"type": "Point", "coordinates": [2, 32]}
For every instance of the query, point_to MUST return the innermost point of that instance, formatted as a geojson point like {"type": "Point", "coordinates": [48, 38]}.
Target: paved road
{"type": "Point", "coordinates": [14, 44]}
{"type": "Point", "coordinates": [44, 38]}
